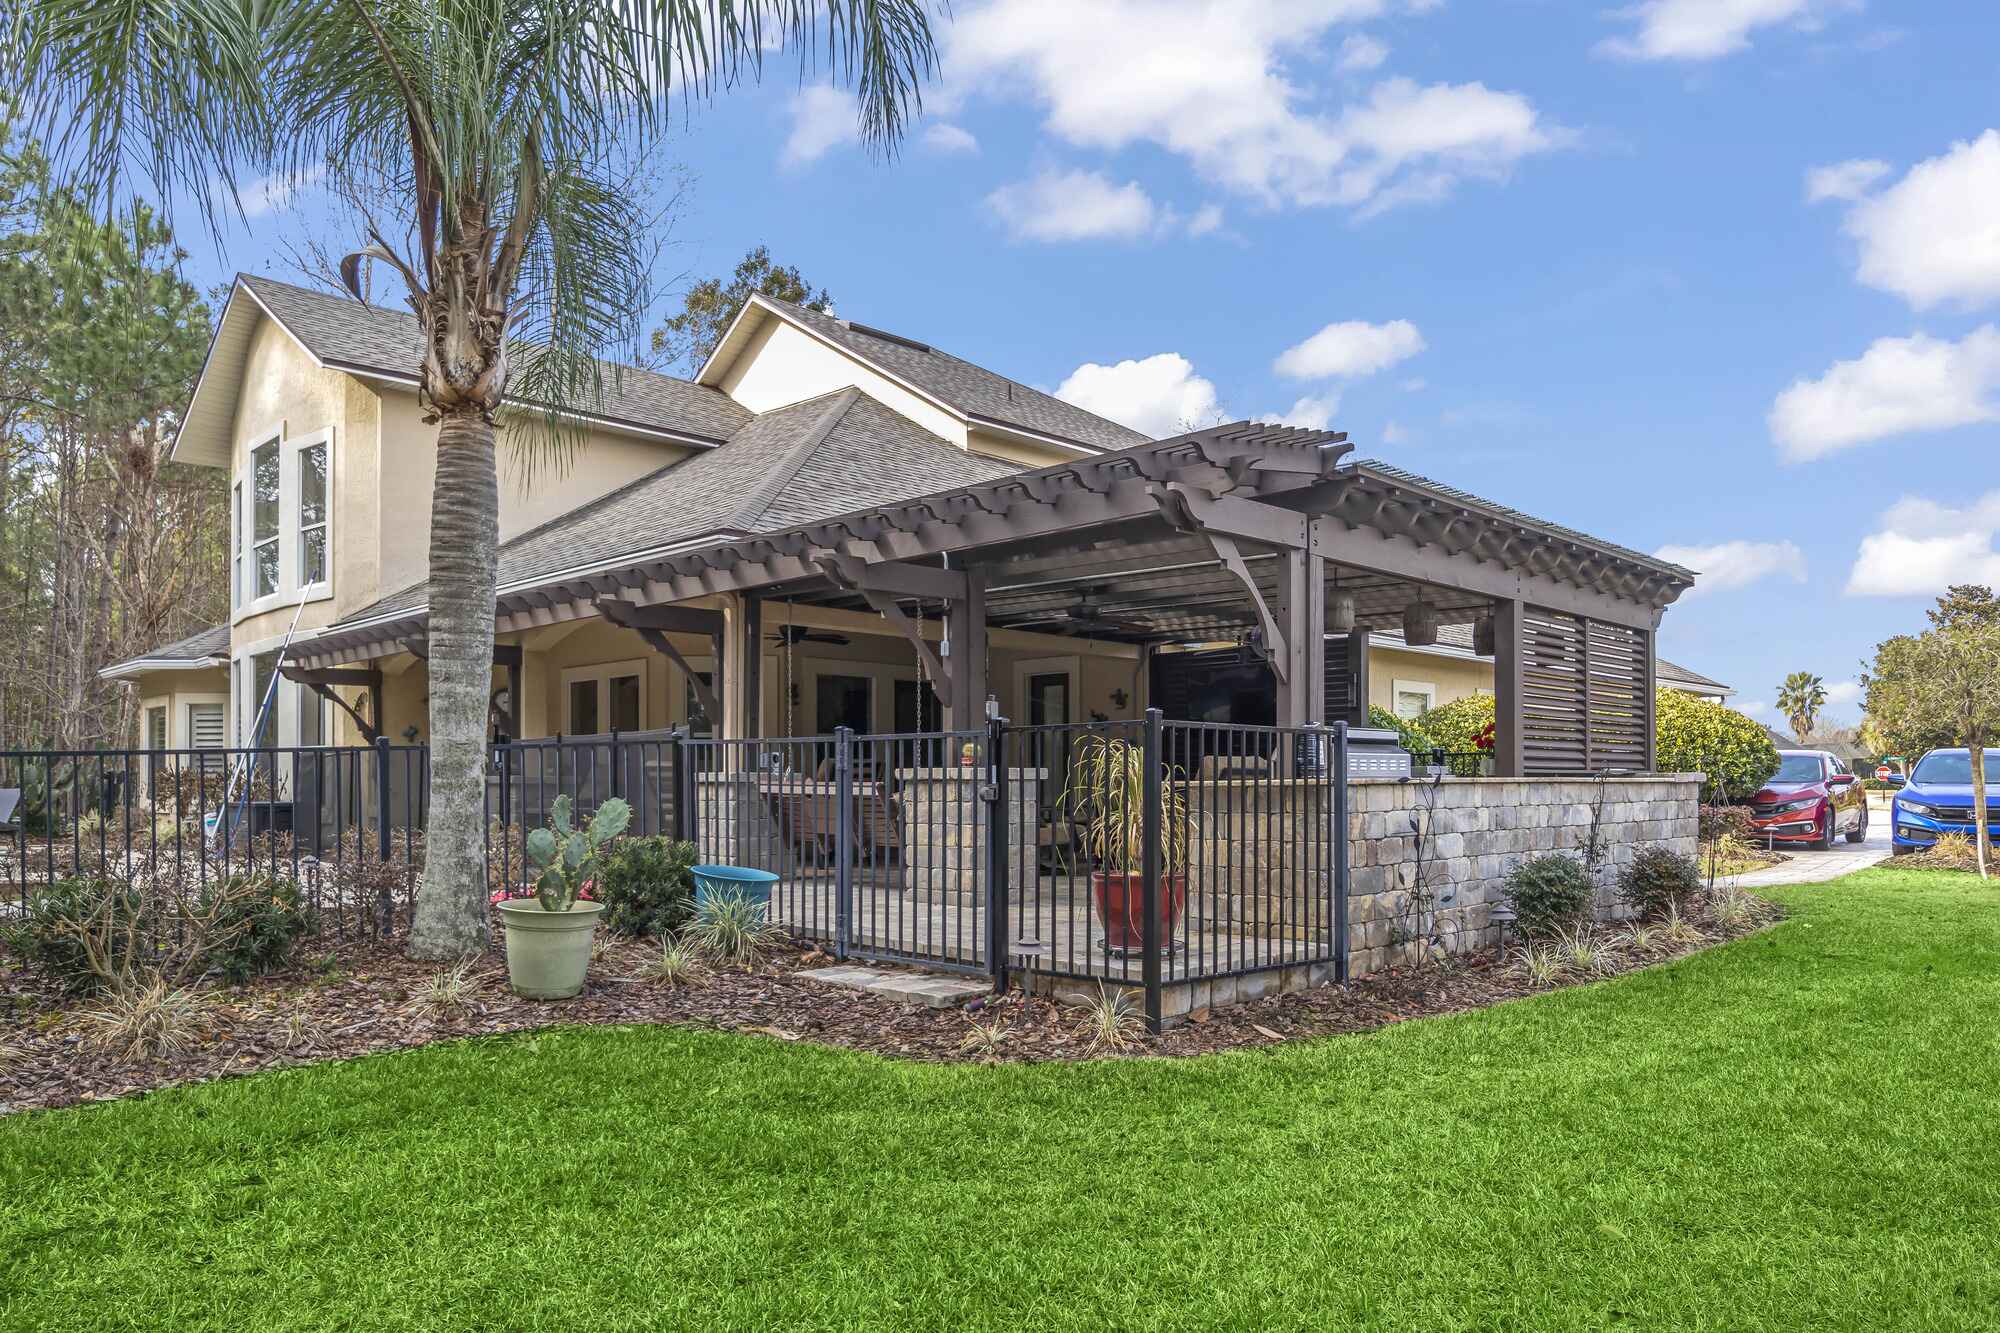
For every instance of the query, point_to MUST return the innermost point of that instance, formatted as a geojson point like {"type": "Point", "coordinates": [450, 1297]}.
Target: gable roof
{"type": "Point", "coordinates": [209, 648]}
{"type": "Point", "coordinates": [969, 391]}
{"type": "Point", "coordinates": [1669, 673]}
{"type": "Point", "coordinates": [829, 455]}
{"type": "Point", "coordinates": [384, 343]}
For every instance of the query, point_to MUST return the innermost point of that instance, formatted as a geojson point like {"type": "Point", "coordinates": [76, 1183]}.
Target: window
{"type": "Point", "coordinates": [312, 514]}
{"type": "Point", "coordinates": [156, 727]}
{"type": "Point", "coordinates": [264, 511]}
{"type": "Point", "coordinates": [205, 730]}
{"type": "Point", "coordinates": [843, 702]}
{"type": "Point", "coordinates": [236, 590]}
{"type": "Point", "coordinates": [610, 696]}
{"type": "Point", "coordinates": [259, 676]}
{"type": "Point", "coordinates": [1413, 698]}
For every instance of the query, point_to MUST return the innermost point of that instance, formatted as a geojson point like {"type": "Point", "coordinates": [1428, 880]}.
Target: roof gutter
{"type": "Point", "coordinates": [140, 666]}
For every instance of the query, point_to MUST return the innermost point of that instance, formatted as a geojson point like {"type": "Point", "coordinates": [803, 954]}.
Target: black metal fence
{"type": "Point", "coordinates": [1147, 853]}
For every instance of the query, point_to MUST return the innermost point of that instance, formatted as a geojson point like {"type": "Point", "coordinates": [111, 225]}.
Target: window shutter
{"type": "Point", "coordinates": [205, 728]}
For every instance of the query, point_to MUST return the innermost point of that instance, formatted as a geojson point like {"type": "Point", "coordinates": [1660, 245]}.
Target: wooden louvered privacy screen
{"type": "Point", "coordinates": [1584, 705]}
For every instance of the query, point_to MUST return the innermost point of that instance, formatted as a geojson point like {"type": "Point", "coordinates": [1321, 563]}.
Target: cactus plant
{"type": "Point", "coordinates": [565, 857]}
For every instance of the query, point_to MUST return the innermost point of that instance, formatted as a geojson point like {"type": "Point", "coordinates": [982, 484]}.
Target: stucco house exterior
{"type": "Point", "coordinates": [307, 400]}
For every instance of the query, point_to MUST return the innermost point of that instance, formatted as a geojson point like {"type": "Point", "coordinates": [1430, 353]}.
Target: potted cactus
{"type": "Point", "coordinates": [549, 932]}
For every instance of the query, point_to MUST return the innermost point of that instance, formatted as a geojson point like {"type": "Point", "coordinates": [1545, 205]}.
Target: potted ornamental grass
{"type": "Point", "coordinates": [1107, 794]}
{"type": "Point", "coordinates": [550, 926]}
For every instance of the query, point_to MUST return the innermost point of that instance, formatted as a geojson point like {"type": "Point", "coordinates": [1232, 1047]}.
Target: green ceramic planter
{"type": "Point", "coordinates": [548, 953]}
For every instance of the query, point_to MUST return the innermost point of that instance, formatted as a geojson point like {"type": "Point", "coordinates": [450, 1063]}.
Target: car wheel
{"type": "Point", "coordinates": [1824, 842]}
{"type": "Point", "coordinates": [1859, 833]}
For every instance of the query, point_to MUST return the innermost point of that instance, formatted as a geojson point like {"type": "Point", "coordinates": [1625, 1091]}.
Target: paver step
{"type": "Point", "coordinates": [928, 989]}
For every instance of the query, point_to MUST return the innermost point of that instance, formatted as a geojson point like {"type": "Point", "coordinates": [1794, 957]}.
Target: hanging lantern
{"type": "Point", "coordinates": [1420, 624]}
{"type": "Point", "coordinates": [1340, 613]}
{"type": "Point", "coordinates": [1483, 642]}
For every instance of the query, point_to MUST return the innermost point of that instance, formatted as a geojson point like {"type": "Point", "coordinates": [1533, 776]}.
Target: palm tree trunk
{"type": "Point", "coordinates": [465, 526]}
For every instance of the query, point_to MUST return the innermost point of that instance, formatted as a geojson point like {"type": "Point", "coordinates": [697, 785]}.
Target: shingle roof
{"type": "Point", "coordinates": [195, 648]}
{"type": "Point", "coordinates": [1680, 675]}
{"type": "Point", "coordinates": [388, 341]}
{"type": "Point", "coordinates": [829, 455]}
{"type": "Point", "coordinates": [971, 389]}
{"type": "Point", "coordinates": [1390, 470]}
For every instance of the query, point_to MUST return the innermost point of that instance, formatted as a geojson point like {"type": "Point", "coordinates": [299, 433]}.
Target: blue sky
{"type": "Point", "coordinates": [1713, 275]}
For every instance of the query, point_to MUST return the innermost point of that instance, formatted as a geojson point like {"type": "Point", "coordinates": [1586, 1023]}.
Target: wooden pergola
{"type": "Point", "coordinates": [1268, 534]}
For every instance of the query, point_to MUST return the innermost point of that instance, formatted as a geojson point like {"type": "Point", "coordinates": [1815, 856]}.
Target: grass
{"type": "Point", "coordinates": [1795, 1130]}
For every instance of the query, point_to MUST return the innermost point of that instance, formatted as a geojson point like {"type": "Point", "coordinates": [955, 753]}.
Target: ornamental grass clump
{"type": "Point", "coordinates": [733, 928]}
{"type": "Point", "coordinates": [149, 1019]}
{"type": "Point", "coordinates": [1112, 1021]}
{"type": "Point", "coordinates": [676, 964]}
{"type": "Point", "coordinates": [1549, 894]}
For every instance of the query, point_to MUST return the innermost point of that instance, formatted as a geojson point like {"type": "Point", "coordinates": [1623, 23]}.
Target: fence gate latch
{"type": "Point", "coordinates": [989, 792]}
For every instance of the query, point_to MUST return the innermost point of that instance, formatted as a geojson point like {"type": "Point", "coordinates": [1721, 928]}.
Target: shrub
{"type": "Point", "coordinates": [258, 919]}
{"type": "Point", "coordinates": [733, 928]}
{"type": "Point", "coordinates": [1549, 893]}
{"type": "Point", "coordinates": [645, 886]}
{"type": "Point", "coordinates": [1699, 736]}
{"type": "Point", "coordinates": [1408, 734]}
{"type": "Point", "coordinates": [1458, 727]}
{"type": "Point", "coordinates": [52, 937]}
{"type": "Point", "coordinates": [1724, 821]}
{"type": "Point", "coordinates": [147, 1019]}
{"type": "Point", "coordinates": [1659, 878]}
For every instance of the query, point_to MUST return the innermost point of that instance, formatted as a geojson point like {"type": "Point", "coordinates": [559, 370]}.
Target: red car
{"type": "Point", "coordinates": [1812, 797]}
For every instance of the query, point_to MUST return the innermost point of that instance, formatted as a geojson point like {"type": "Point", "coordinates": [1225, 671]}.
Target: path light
{"type": "Point", "coordinates": [1028, 955]}
{"type": "Point", "coordinates": [1483, 639]}
{"type": "Point", "coordinates": [1340, 610]}
{"type": "Point", "coordinates": [1420, 624]}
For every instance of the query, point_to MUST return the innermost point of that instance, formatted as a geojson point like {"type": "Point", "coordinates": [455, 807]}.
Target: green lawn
{"type": "Point", "coordinates": [1797, 1130]}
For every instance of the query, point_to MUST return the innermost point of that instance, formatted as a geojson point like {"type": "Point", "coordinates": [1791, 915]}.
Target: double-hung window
{"type": "Point", "coordinates": [283, 512]}
{"type": "Point", "coordinates": [266, 506]}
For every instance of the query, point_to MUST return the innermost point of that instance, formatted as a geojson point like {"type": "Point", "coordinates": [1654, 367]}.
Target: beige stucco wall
{"type": "Point", "coordinates": [176, 690]}
{"type": "Point", "coordinates": [1454, 677]}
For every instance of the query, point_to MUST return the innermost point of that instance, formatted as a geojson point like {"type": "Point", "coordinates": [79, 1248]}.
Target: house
{"type": "Point", "coordinates": [901, 535]}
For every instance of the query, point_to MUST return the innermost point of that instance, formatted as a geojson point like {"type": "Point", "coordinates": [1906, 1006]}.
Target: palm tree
{"type": "Point", "coordinates": [496, 126]}
{"type": "Point", "coordinates": [1800, 698]}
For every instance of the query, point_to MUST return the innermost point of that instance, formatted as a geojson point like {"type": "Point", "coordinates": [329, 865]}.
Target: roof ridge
{"type": "Point", "coordinates": [760, 496]}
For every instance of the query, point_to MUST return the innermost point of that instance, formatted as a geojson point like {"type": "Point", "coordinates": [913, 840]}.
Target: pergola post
{"type": "Point", "coordinates": [1509, 753]}
{"type": "Point", "coordinates": [1301, 617]}
{"type": "Point", "coordinates": [965, 708]}
{"type": "Point", "coordinates": [733, 667]}
{"type": "Point", "coordinates": [1357, 666]}
{"type": "Point", "coordinates": [1652, 637]}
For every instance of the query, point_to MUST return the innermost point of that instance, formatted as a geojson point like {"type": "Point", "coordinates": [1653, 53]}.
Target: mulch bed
{"type": "Point", "coordinates": [367, 998]}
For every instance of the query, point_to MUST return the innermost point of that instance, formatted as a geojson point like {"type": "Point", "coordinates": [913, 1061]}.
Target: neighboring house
{"type": "Point", "coordinates": [845, 498]}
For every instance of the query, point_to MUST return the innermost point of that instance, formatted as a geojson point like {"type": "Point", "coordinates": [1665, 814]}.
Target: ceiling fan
{"type": "Point", "coordinates": [1085, 615]}
{"type": "Point", "coordinates": [798, 634]}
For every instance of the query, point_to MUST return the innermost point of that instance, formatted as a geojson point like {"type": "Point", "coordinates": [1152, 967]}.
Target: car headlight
{"type": "Point", "coordinates": [1806, 804]}
{"type": "Point", "coordinates": [1916, 808]}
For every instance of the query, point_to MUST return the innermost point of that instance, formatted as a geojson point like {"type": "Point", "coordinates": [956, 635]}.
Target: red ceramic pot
{"type": "Point", "coordinates": [1121, 907]}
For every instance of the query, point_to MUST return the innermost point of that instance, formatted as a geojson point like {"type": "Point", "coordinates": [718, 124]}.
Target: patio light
{"type": "Point", "coordinates": [1484, 641]}
{"type": "Point", "coordinates": [1340, 614]}
{"type": "Point", "coordinates": [1420, 624]}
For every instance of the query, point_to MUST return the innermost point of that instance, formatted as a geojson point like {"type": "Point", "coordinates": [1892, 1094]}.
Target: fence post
{"type": "Point", "coordinates": [1150, 869]}
{"type": "Point", "coordinates": [617, 768]}
{"type": "Point", "coordinates": [1340, 837]}
{"type": "Point", "coordinates": [382, 797]}
{"type": "Point", "coordinates": [843, 837]}
{"type": "Point", "coordinates": [998, 884]}
{"type": "Point", "coordinates": [682, 785]}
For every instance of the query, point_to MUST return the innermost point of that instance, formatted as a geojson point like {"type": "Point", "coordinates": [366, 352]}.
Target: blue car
{"type": "Point", "coordinates": [1938, 799]}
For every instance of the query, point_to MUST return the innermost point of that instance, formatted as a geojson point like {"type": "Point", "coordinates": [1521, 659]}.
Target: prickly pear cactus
{"type": "Point", "coordinates": [565, 857]}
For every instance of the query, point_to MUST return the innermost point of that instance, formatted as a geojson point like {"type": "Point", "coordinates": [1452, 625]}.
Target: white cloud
{"type": "Point", "coordinates": [1922, 547]}
{"type": "Point", "coordinates": [1933, 238]}
{"type": "Point", "coordinates": [1231, 89]}
{"type": "Point", "coordinates": [1395, 433]}
{"type": "Point", "coordinates": [1737, 564]}
{"type": "Point", "coordinates": [268, 194]}
{"type": "Point", "coordinates": [1206, 219]}
{"type": "Point", "coordinates": [1704, 29]}
{"type": "Point", "coordinates": [1349, 349]}
{"type": "Point", "coordinates": [823, 118]}
{"type": "Point", "coordinates": [1313, 412]}
{"type": "Point", "coordinates": [1160, 395]}
{"type": "Point", "coordinates": [1361, 52]}
{"type": "Point", "coordinates": [1843, 693]}
{"type": "Point", "coordinates": [1415, 384]}
{"type": "Point", "coordinates": [1759, 709]}
{"type": "Point", "coordinates": [1897, 386]}
{"type": "Point", "coordinates": [1844, 180]}
{"type": "Point", "coordinates": [943, 137]}
{"type": "Point", "coordinates": [1074, 206]}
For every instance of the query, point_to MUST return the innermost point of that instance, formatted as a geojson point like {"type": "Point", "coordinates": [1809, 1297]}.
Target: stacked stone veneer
{"type": "Point", "coordinates": [943, 823]}
{"type": "Point", "coordinates": [1475, 831]}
